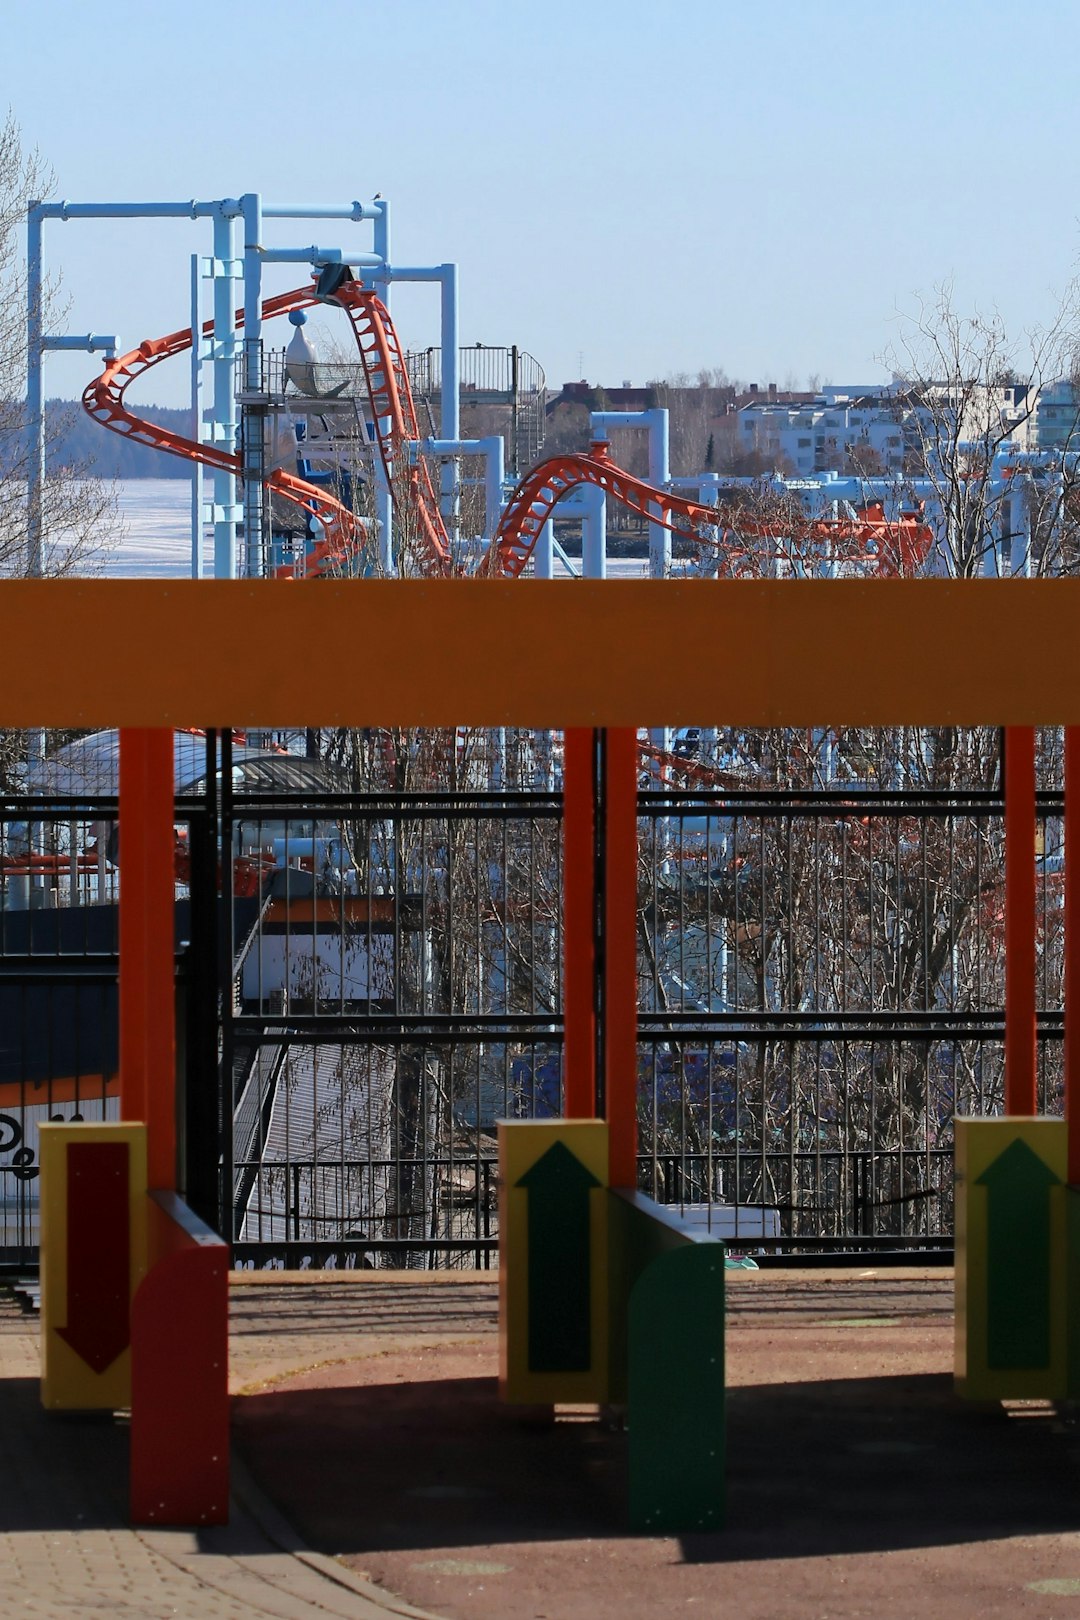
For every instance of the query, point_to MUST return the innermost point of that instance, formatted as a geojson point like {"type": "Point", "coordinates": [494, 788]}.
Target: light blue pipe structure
{"type": "Point", "coordinates": [222, 270]}
{"type": "Point", "coordinates": [656, 421]}
{"type": "Point", "coordinates": [195, 378]}
{"type": "Point", "coordinates": [544, 552]}
{"type": "Point", "coordinates": [493, 451]}
{"type": "Point", "coordinates": [384, 501]}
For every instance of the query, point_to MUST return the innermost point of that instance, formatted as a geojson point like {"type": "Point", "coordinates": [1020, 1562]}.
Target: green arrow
{"type": "Point", "coordinates": [560, 1299]}
{"type": "Point", "coordinates": [1018, 1187]}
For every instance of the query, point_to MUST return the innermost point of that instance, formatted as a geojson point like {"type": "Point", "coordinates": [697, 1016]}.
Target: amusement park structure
{"type": "Point", "coordinates": [340, 537]}
{"type": "Point", "coordinates": [610, 1296]}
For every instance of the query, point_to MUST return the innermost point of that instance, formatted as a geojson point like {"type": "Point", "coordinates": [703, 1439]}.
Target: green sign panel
{"type": "Point", "coordinates": [1018, 1187]}
{"type": "Point", "coordinates": [560, 1282]}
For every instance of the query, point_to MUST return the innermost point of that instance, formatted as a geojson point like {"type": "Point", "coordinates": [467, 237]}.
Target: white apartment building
{"type": "Point", "coordinates": [847, 428]}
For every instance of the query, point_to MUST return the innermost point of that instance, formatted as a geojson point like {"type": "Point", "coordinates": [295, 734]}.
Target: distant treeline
{"type": "Point", "coordinates": [82, 445]}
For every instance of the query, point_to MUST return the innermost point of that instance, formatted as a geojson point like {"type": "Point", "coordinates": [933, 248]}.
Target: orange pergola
{"type": "Point", "coordinates": [147, 656]}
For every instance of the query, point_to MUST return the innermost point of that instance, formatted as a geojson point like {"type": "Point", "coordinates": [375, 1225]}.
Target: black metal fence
{"type": "Point", "coordinates": [371, 980]}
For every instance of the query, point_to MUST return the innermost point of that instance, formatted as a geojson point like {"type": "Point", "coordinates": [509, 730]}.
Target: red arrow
{"type": "Point", "coordinates": [98, 1252]}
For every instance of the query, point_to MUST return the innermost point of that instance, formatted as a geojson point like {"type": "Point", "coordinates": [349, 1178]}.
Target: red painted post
{"type": "Point", "coordinates": [1020, 1043]}
{"type": "Point", "coordinates": [579, 920]}
{"type": "Point", "coordinates": [147, 1005]}
{"type": "Point", "coordinates": [1072, 950]}
{"type": "Point", "coordinates": [180, 1374]}
{"type": "Point", "coordinates": [620, 952]}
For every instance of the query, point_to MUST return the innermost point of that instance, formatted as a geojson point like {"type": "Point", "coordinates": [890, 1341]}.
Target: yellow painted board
{"type": "Point", "coordinates": [522, 1147]}
{"type": "Point", "coordinates": [980, 1144]}
{"type": "Point", "coordinates": [542, 653]}
{"type": "Point", "coordinates": [68, 1383]}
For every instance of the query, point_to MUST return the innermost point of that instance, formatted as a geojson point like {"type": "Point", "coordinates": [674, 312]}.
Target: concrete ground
{"type": "Point", "coordinates": [859, 1485]}
{"type": "Point", "coordinates": [65, 1546]}
{"type": "Point", "coordinates": [366, 1420]}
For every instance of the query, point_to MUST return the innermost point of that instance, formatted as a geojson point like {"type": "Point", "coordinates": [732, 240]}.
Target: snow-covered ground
{"type": "Point", "coordinates": [156, 531]}
{"type": "Point", "coordinates": [156, 542]}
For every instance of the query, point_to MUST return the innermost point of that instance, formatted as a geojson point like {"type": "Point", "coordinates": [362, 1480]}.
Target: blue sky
{"type": "Point", "coordinates": [630, 190]}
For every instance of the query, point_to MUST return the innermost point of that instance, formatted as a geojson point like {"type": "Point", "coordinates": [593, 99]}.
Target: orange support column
{"type": "Point", "coordinates": [579, 923]}
{"type": "Point", "coordinates": [1072, 950]}
{"type": "Point", "coordinates": [1020, 1043]}
{"type": "Point", "coordinates": [620, 951]}
{"type": "Point", "coordinates": [147, 1005]}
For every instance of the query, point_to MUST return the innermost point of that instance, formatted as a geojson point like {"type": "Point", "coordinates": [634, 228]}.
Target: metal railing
{"type": "Point", "coordinates": [820, 989]}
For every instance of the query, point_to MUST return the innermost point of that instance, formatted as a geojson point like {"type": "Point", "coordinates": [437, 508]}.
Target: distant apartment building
{"type": "Point", "coordinates": [1055, 422]}
{"type": "Point", "coordinates": [843, 428]}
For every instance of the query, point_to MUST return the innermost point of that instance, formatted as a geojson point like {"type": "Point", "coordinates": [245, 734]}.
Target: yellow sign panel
{"type": "Point", "coordinates": [1011, 1259]}
{"type": "Point", "coordinates": [553, 1261]}
{"type": "Point", "coordinates": [93, 1257]}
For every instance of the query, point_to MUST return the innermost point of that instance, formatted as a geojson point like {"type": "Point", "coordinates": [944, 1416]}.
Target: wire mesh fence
{"type": "Point", "coordinates": [372, 936]}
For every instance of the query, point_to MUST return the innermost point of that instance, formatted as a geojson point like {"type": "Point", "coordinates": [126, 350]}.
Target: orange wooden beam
{"type": "Point", "coordinates": [1072, 949]}
{"type": "Point", "coordinates": [579, 924]}
{"type": "Point", "coordinates": [1020, 1021]}
{"type": "Point", "coordinates": [539, 653]}
{"type": "Point", "coordinates": [620, 953]}
{"type": "Point", "coordinates": [147, 946]}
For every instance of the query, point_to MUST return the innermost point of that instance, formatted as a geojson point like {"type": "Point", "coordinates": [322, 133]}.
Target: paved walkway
{"type": "Point", "coordinates": [65, 1548]}
{"type": "Point", "coordinates": [859, 1486]}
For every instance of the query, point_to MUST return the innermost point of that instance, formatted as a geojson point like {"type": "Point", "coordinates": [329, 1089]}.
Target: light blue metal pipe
{"type": "Point", "coordinates": [594, 534]}
{"type": "Point", "coordinates": [494, 480]}
{"type": "Point", "coordinates": [415, 272]}
{"type": "Point", "coordinates": [35, 419]}
{"type": "Point", "coordinates": [223, 426]}
{"type": "Point", "coordinates": [544, 552]}
{"type": "Point", "coordinates": [384, 501]}
{"type": "Point", "coordinates": [656, 420]}
{"type": "Point", "coordinates": [194, 209]}
{"type": "Point", "coordinates": [355, 211]}
{"type": "Point", "coordinates": [447, 447]}
{"type": "Point", "coordinates": [90, 343]}
{"type": "Point", "coordinates": [659, 477]}
{"type": "Point", "coordinates": [449, 409]}
{"type": "Point", "coordinates": [320, 255]}
{"type": "Point", "coordinates": [196, 380]}
{"type": "Point", "coordinates": [253, 425]}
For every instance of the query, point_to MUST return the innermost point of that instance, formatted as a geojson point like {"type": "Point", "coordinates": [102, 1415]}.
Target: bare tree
{"type": "Point", "coordinates": [966, 390]}
{"type": "Point", "coordinates": [78, 511]}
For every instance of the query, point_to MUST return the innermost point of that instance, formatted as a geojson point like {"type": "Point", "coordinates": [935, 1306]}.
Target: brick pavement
{"type": "Point", "coordinates": [65, 1545]}
{"type": "Point", "coordinates": [63, 1535]}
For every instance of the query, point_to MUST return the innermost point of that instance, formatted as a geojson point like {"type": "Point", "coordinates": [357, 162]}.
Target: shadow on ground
{"type": "Point", "coordinates": [834, 1467]}
{"type": "Point", "coordinates": [62, 1470]}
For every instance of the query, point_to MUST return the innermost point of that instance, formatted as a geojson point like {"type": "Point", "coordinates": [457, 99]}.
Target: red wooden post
{"type": "Point", "coordinates": [1020, 1043]}
{"type": "Point", "coordinates": [579, 922]}
{"type": "Point", "coordinates": [180, 1374]}
{"type": "Point", "coordinates": [147, 1005]}
{"type": "Point", "coordinates": [620, 952]}
{"type": "Point", "coordinates": [1072, 949]}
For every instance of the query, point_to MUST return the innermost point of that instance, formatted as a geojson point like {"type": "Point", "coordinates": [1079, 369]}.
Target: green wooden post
{"type": "Point", "coordinates": [676, 1392]}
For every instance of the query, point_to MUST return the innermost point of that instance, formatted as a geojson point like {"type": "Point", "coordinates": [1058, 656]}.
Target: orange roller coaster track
{"type": "Point", "coordinates": [896, 547]}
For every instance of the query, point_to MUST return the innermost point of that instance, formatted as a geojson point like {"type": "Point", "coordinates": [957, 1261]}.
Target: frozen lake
{"type": "Point", "coordinates": [156, 537]}
{"type": "Point", "coordinates": [155, 541]}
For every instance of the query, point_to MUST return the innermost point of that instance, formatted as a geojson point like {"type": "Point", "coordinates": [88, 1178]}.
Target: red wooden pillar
{"type": "Point", "coordinates": [147, 1005]}
{"type": "Point", "coordinates": [1072, 949]}
{"type": "Point", "coordinates": [579, 923]}
{"type": "Point", "coordinates": [1020, 1043]}
{"type": "Point", "coordinates": [620, 951]}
